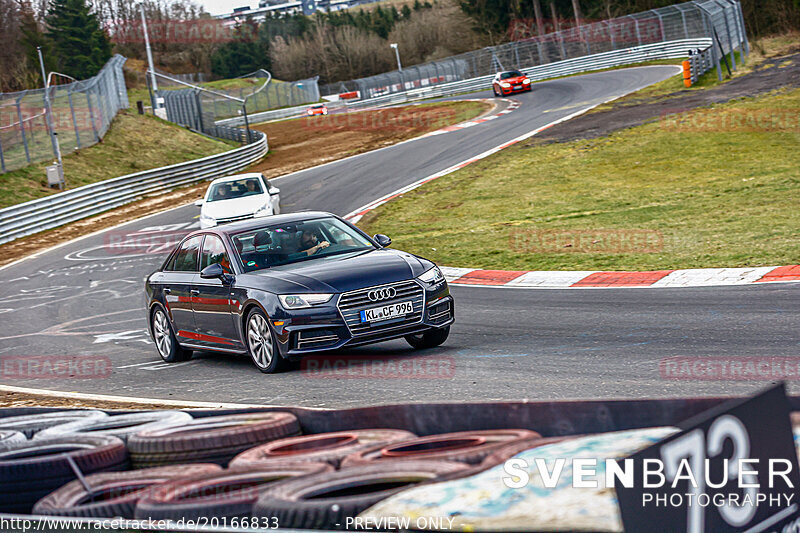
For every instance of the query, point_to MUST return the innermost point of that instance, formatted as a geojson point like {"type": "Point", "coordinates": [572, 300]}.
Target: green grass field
{"type": "Point", "coordinates": [721, 188]}
{"type": "Point", "coordinates": [133, 143]}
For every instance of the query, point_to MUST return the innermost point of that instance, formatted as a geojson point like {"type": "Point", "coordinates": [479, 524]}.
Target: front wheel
{"type": "Point", "coordinates": [428, 339]}
{"type": "Point", "coordinates": [261, 343]}
{"type": "Point", "coordinates": [166, 343]}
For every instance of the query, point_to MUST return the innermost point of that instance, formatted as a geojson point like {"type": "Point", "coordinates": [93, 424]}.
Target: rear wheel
{"type": "Point", "coordinates": [166, 343]}
{"type": "Point", "coordinates": [261, 343]}
{"type": "Point", "coordinates": [428, 339]}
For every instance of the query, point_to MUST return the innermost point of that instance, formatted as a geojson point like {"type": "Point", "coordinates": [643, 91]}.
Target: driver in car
{"type": "Point", "coordinates": [310, 243]}
{"type": "Point", "coordinates": [252, 186]}
{"type": "Point", "coordinates": [223, 192]}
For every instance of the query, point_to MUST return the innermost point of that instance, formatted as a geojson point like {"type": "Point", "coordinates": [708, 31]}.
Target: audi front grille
{"type": "Point", "coordinates": [352, 303]}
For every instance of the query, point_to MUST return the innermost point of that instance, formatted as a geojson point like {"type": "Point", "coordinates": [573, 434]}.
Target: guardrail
{"type": "Point", "coordinates": [61, 208]}
{"type": "Point", "coordinates": [615, 58]}
{"type": "Point", "coordinates": [700, 62]}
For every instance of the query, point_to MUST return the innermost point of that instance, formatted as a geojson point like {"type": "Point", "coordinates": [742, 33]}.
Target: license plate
{"type": "Point", "coordinates": [517, 86]}
{"type": "Point", "coordinates": [387, 312]}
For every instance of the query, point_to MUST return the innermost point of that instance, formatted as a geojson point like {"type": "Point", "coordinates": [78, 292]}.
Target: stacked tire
{"type": "Point", "coordinates": [30, 470]}
{"type": "Point", "coordinates": [215, 439]}
{"type": "Point", "coordinates": [255, 469]}
{"type": "Point", "coordinates": [113, 494]}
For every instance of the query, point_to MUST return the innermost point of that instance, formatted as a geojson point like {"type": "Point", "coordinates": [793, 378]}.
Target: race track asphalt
{"type": "Point", "coordinates": [86, 299]}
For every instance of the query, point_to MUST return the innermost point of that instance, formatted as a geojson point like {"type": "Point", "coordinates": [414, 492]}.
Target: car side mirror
{"type": "Point", "coordinates": [383, 240]}
{"type": "Point", "coordinates": [273, 191]}
{"type": "Point", "coordinates": [214, 271]}
{"type": "Point", "coordinates": [199, 203]}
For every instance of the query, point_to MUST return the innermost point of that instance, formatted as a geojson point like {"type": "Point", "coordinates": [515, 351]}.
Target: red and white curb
{"type": "Point", "coordinates": [694, 277]}
{"type": "Point", "coordinates": [514, 104]}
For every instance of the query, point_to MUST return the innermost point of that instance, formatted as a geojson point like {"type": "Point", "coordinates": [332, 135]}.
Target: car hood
{"type": "Point", "coordinates": [338, 273]}
{"type": "Point", "coordinates": [512, 81]}
{"type": "Point", "coordinates": [235, 206]}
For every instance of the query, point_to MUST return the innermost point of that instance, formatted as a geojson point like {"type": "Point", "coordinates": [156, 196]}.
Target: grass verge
{"type": "Point", "coordinates": [719, 188]}
{"type": "Point", "coordinates": [133, 143]}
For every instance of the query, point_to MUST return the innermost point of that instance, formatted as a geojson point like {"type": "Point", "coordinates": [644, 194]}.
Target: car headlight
{"type": "Point", "coordinates": [432, 277]}
{"type": "Point", "coordinates": [303, 301]}
{"type": "Point", "coordinates": [505, 85]}
{"type": "Point", "coordinates": [526, 81]}
{"type": "Point", "coordinates": [208, 220]}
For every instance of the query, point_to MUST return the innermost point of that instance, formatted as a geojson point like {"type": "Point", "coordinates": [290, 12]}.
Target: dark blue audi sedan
{"type": "Point", "coordinates": [281, 287]}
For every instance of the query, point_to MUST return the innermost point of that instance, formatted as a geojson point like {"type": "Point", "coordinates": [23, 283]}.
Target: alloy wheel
{"type": "Point", "coordinates": [162, 334]}
{"type": "Point", "coordinates": [259, 339]}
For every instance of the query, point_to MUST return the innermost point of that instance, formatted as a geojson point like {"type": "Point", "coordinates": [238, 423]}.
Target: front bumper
{"type": "Point", "coordinates": [512, 90]}
{"type": "Point", "coordinates": [324, 328]}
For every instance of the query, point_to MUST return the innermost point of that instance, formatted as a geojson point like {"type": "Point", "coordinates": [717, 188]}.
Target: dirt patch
{"type": "Point", "coordinates": [310, 141]}
{"type": "Point", "coordinates": [294, 145]}
{"type": "Point", "coordinates": [20, 399]}
{"type": "Point", "coordinates": [773, 74]}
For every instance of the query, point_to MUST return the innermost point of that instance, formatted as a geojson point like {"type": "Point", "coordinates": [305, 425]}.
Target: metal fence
{"type": "Point", "coordinates": [719, 20]}
{"type": "Point", "coordinates": [59, 209]}
{"type": "Point", "coordinates": [206, 107]}
{"type": "Point", "coordinates": [81, 114]}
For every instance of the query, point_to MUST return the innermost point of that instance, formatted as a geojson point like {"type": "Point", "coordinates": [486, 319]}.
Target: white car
{"type": "Point", "coordinates": [239, 197]}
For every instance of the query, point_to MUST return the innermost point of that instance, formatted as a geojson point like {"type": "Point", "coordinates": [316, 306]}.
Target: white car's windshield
{"type": "Point", "coordinates": [299, 241]}
{"type": "Point", "coordinates": [228, 190]}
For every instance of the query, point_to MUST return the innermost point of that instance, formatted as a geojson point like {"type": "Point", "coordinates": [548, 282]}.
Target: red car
{"type": "Point", "coordinates": [317, 109]}
{"type": "Point", "coordinates": [509, 82]}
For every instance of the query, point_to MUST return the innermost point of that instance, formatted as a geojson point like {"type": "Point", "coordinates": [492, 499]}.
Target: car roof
{"type": "Point", "coordinates": [245, 225]}
{"type": "Point", "coordinates": [236, 177]}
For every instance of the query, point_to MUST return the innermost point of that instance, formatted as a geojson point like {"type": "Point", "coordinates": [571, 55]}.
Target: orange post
{"type": "Point", "coordinates": [687, 73]}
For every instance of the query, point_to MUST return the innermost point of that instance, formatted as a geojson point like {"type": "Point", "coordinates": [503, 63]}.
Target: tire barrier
{"type": "Point", "coordinates": [32, 469]}
{"type": "Point", "coordinates": [215, 439]}
{"type": "Point", "coordinates": [466, 446]}
{"type": "Point", "coordinates": [324, 501]}
{"type": "Point", "coordinates": [324, 447]}
{"type": "Point", "coordinates": [224, 494]}
{"type": "Point", "coordinates": [10, 439]}
{"type": "Point", "coordinates": [121, 426]}
{"type": "Point", "coordinates": [507, 451]}
{"type": "Point", "coordinates": [484, 502]}
{"type": "Point", "coordinates": [32, 424]}
{"type": "Point", "coordinates": [113, 494]}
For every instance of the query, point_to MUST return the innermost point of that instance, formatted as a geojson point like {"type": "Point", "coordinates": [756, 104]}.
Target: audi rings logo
{"type": "Point", "coordinates": [382, 294]}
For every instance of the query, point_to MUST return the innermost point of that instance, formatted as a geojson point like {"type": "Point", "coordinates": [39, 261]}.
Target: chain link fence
{"type": "Point", "coordinates": [205, 110]}
{"type": "Point", "coordinates": [720, 20]}
{"type": "Point", "coordinates": [81, 114]}
{"type": "Point", "coordinates": [219, 104]}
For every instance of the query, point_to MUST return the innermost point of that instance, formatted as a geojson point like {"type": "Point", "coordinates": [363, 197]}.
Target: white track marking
{"type": "Point", "coordinates": [130, 399]}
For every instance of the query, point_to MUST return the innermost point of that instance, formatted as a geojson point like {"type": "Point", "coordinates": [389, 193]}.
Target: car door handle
{"type": "Point", "coordinates": [194, 292]}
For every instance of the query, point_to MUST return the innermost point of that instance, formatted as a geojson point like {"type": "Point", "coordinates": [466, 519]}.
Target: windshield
{"type": "Point", "coordinates": [510, 74]}
{"type": "Point", "coordinates": [228, 190]}
{"type": "Point", "coordinates": [298, 241]}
